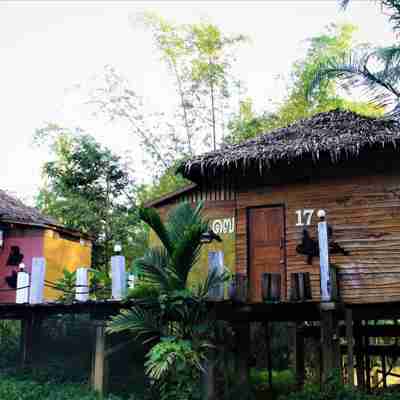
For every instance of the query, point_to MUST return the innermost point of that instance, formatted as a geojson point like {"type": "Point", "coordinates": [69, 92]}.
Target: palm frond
{"type": "Point", "coordinates": [393, 6]}
{"type": "Point", "coordinates": [142, 323]}
{"type": "Point", "coordinates": [182, 217]}
{"type": "Point", "coordinates": [388, 56]}
{"type": "Point", "coordinates": [152, 218]}
{"type": "Point", "coordinates": [213, 280]}
{"type": "Point", "coordinates": [344, 3]}
{"type": "Point", "coordinates": [154, 267]}
{"type": "Point", "coordinates": [352, 71]}
{"type": "Point", "coordinates": [186, 252]}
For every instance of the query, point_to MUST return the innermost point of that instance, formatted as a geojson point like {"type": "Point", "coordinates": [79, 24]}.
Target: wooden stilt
{"type": "Point", "coordinates": [268, 335]}
{"type": "Point", "coordinates": [36, 337]}
{"type": "Point", "coordinates": [299, 356]}
{"type": "Point", "coordinates": [329, 343]}
{"type": "Point", "coordinates": [367, 358]}
{"type": "Point", "coordinates": [383, 363]}
{"type": "Point", "coordinates": [359, 355]}
{"type": "Point", "coordinates": [98, 373]}
{"type": "Point", "coordinates": [208, 378]}
{"type": "Point", "coordinates": [26, 343]}
{"type": "Point", "coordinates": [350, 346]}
{"type": "Point", "coordinates": [243, 354]}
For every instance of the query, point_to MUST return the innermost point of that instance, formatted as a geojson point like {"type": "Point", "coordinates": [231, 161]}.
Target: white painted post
{"type": "Point", "coordinates": [324, 257]}
{"type": "Point", "coordinates": [22, 295]}
{"type": "Point", "coordinates": [118, 277]}
{"type": "Point", "coordinates": [37, 280]}
{"type": "Point", "coordinates": [82, 286]}
{"type": "Point", "coordinates": [216, 263]}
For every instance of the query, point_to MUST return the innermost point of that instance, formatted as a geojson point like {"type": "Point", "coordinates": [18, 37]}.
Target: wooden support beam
{"type": "Point", "coordinates": [242, 354]}
{"type": "Point", "coordinates": [268, 336]}
{"type": "Point", "coordinates": [372, 330]}
{"type": "Point", "coordinates": [208, 377]}
{"type": "Point", "coordinates": [359, 354]}
{"type": "Point", "coordinates": [384, 376]}
{"type": "Point", "coordinates": [329, 344]}
{"type": "Point", "coordinates": [367, 358]}
{"type": "Point", "coordinates": [299, 356]}
{"type": "Point", "coordinates": [350, 346]}
{"type": "Point", "coordinates": [99, 360]}
{"type": "Point", "coordinates": [26, 342]}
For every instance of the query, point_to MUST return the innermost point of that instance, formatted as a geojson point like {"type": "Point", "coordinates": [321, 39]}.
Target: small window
{"type": "Point", "coordinates": [15, 258]}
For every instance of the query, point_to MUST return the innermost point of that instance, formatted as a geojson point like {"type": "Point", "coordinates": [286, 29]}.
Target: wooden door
{"type": "Point", "coordinates": [266, 247]}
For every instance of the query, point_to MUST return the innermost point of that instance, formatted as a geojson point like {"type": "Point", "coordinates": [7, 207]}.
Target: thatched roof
{"type": "Point", "coordinates": [335, 134]}
{"type": "Point", "coordinates": [14, 211]}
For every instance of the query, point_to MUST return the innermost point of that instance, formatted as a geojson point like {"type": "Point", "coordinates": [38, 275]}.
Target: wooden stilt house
{"type": "Point", "coordinates": [273, 186]}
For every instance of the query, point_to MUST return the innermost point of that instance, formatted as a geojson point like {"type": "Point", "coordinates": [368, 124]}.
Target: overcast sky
{"type": "Point", "coordinates": [48, 47]}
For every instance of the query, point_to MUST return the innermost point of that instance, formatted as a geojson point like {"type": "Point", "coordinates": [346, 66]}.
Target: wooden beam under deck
{"type": "Point", "coordinates": [225, 310]}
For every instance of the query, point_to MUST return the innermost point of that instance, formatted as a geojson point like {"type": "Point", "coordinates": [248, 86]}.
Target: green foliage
{"type": "Point", "coordinates": [375, 71]}
{"type": "Point", "coordinates": [175, 366]}
{"type": "Point", "coordinates": [66, 286]}
{"type": "Point", "coordinates": [168, 182]}
{"type": "Point", "coordinates": [100, 284]}
{"type": "Point", "coordinates": [298, 104]}
{"type": "Point", "coordinates": [9, 343]}
{"type": "Point", "coordinates": [282, 381]}
{"type": "Point", "coordinates": [86, 187]}
{"type": "Point", "coordinates": [23, 388]}
{"type": "Point", "coordinates": [143, 290]}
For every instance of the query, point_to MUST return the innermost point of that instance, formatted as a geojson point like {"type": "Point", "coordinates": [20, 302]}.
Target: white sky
{"type": "Point", "coordinates": [48, 47]}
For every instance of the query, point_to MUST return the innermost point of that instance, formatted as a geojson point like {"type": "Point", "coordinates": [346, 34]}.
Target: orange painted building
{"type": "Point", "coordinates": [26, 233]}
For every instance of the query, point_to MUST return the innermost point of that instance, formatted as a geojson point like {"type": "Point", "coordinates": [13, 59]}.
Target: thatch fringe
{"type": "Point", "coordinates": [335, 133]}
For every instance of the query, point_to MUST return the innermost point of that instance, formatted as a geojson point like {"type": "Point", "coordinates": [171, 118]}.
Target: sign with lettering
{"type": "Point", "coordinates": [223, 225]}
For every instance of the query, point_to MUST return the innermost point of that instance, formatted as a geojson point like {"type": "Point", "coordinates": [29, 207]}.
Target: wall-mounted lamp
{"type": "Point", "coordinates": [209, 236]}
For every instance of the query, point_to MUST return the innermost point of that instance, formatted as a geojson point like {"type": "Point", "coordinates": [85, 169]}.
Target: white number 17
{"type": "Point", "coordinates": [304, 217]}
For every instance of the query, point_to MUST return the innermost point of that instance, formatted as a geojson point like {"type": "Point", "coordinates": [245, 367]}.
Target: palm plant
{"type": "Point", "coordinates": [376, 71]}
{"type": "Point", "coordinates": [174, 320]}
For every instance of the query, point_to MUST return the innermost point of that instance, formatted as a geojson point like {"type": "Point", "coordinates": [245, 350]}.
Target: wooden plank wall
{"type": "Point", "coordinates": [364, 213]}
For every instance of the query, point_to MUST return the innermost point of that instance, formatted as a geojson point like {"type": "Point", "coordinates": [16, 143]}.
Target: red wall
{"type": "Point", "coordinates": [30, 243]}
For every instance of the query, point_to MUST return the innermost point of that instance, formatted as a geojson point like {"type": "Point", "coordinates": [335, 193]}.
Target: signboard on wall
{"type": "Point", "coordinates": [223, 225]}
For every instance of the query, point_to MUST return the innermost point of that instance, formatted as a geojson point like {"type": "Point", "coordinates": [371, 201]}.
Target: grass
{"type": "Point", "coordinates": [283, 383]}
{"type": "Point", "coordinates": [24, 388]}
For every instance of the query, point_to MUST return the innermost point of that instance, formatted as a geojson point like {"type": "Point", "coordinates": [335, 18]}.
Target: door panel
{"type": "Point", "coordinates": [266, 247]}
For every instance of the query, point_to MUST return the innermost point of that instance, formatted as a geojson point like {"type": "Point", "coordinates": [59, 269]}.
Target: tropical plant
{"type": "Point", "coordinates": [65, 286]}
{"type": "Point", "coordinates": [334, 43]}
{"type": "Point", "coordinates": [375, 71]}
{"type": "Point", "coordinates": [173, 320]}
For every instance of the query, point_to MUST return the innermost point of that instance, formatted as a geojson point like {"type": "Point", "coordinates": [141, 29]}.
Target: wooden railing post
{"type": "Point", "coordinates": [208, 377]}
{"type": "Point", "coordinates": [99, 360]}
{"type": "Point", "coordinates": [350, 346]}
{"type": "Point", "coordinates": [242, 330]}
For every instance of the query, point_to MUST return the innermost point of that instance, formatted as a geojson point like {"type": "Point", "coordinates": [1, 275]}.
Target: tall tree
{"type": "Point", "coordinates": [199, 58]}
{"type": "Point", "coordinates": [87, 187]}
{"type": "Point", "coordinates": [375, 71]}
{"type": "Point", "coordinates": [210, 68]}
{"type": "Point", "coordinates": [334, 43]}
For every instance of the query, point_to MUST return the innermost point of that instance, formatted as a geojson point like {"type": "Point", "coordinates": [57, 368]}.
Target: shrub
{"type": "Point", "coordinates": [143, 290]}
